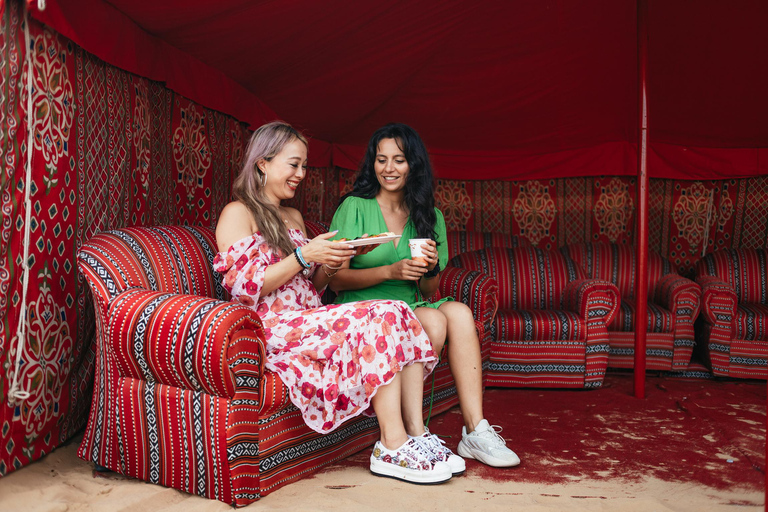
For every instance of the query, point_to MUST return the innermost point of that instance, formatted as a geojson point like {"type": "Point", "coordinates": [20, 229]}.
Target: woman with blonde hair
{"type": "Point", "coordinates": [337, 361]}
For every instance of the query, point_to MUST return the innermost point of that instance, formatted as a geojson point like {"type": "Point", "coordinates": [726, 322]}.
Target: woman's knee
{"type": "Point", "coordinates": [457, 312]}
{"type": "Point", "coordinates": [435, 325]}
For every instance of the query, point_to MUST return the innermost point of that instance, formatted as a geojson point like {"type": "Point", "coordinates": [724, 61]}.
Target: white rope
{"type": "Point", "coordinates": [16, 393]}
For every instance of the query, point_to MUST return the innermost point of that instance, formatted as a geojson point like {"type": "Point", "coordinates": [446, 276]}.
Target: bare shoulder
{"type": "Point", "coordinates": [296, 217]}
{"type": "Point", "coordinates": [235, 223]}
{"type": "Point", "coordinates": [293, 213]}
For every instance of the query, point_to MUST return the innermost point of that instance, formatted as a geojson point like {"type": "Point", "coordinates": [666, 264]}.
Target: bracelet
{"type": "Point", "coordinates": [300, 258]}
{"type": "Point", "coordinates": [332, 268]}
{"type": "Point", "coordinates": [432, 273]}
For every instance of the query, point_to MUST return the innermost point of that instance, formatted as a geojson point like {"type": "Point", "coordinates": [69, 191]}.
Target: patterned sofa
{"type": "Point", "coordinates": [673, 304]}
{"type": "Point", "coordinates": [466, 241]}
{"type": "Point", "coordinates": [181, 396]}
{"type": "Point", "coordinates": [550, 328]}
{"type": "Point", "coordinates": [732, 333]}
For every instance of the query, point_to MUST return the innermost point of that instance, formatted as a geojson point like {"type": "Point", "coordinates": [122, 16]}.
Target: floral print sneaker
{"type": "Point", "coordinates": [440, 452]}
{"type": "Point", "coordinates": [411, 462]}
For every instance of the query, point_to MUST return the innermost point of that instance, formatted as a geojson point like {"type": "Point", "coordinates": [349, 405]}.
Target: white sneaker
{"type": "Point", "coordinates": [440, 452]}
{"type": "Point", "coordinates": [486, 445]}
{"type": "Point", "coordinates": [410, 463]}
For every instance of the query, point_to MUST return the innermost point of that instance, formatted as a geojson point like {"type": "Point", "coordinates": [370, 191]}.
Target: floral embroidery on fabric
{"type": "Point", "coordinates": [331, 358]}
{"type": "Point", "coordinates": [534, 211]}
{"type": "Point", "coordinates": [613, 210]}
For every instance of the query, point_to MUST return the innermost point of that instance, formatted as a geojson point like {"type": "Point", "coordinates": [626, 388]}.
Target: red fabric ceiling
{"type": "Point", "coordinates": [504, 89]}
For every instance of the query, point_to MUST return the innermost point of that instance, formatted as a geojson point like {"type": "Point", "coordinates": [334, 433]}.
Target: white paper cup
{"type": "Point", "coordinates": [415, 246]}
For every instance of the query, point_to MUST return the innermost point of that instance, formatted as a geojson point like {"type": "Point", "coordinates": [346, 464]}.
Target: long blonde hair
{"type": "Point", "coordinates": [266, 142]}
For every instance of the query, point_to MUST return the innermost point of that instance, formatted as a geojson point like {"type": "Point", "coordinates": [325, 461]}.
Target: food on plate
{"type": "Point", "coordinates": [386, 233]}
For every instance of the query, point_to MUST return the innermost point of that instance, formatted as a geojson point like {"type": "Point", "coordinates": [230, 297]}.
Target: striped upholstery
{"type": "Point", "coordinates": [616, 263]}
{"type": "Point", "coordinates": [466, 241]}
{"type": "Point", "coordinates": [732, 334]}
{"type": "Point", "coordinates": [659, 319]}
{"type": "Point", "coordinates": [540, 324]}
{"type": "Point", "coordinates": [550, 330]}
{"type": "Point", "coordinates": [673, 304]}
{"type": "Point", "coordinates": [181, 396]}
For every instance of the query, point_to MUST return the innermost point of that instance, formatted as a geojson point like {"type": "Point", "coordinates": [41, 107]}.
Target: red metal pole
{"type": "Point", "coordinates": [641, 245]}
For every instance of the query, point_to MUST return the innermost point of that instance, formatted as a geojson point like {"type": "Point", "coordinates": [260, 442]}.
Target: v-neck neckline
{"type": "Point", "coordinates": [396, 246]}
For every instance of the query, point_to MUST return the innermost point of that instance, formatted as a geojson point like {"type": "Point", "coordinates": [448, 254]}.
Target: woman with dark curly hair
{"type": "Point", "coordinates": [394, 191]}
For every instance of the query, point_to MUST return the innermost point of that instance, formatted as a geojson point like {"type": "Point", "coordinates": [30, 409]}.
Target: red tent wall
{"type": "Point", "coordinates": [109, 149]}
{"type": "Point", "coordinates": [111, 146]}
{"type": "Point", "coordinates": [504, 90]}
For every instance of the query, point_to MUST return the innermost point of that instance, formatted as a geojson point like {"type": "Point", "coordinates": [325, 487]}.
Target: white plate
{"type": "Point", "coordinates": [372, 241]}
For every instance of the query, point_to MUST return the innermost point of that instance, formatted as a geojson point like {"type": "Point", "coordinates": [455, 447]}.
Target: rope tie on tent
{"type": "Point", "coordinates": [16, 393]}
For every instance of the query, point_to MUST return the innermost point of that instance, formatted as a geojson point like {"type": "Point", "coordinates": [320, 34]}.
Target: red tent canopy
{"type": "Point", "coordinates": [500, 90]}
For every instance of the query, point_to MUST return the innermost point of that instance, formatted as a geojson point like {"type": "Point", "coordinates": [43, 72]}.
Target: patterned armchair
{"type": "Point", "coordinates": [181, 396]}
{"type": "Point", "coordinates": [673, 304]}
{"type": "Point", "coordinates": [550, 328]}
{"type": "Point", "coordinates": [732, 335]}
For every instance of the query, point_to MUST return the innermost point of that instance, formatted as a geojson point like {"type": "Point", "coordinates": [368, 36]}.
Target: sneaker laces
{"type": "Point", "coordinates": [414, 451]}
{"type": "Point", "coordinates": [492, 434]}
{"type": "Point", "coordinates": [434, 446]}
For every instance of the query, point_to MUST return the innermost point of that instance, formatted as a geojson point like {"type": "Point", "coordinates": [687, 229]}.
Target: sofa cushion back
{"type": "Point", "coordinates": [745, 270]}
{"type": "Point", "coordinates": [315, 228]}
{"type": "Point", "coordinates": [616, 264]}
{"type": "Point", "coordinates": [168, 258]}
{"type": "Point", "coordinates": [466, 241]}
{"type": "Point", "coordinates": [528, 277]}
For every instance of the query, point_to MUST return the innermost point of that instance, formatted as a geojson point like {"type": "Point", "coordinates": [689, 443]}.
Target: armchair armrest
{"type": "Point", "coordinates": [475, 289]}
{"type": "Point", "coordinates": [186, 341]}
{"type": "Point", "coordinates": [592, 299]}
{"type": "Point", "coordinates": [679, 295]}
{"type": "Point", "coordinates": [719, 302]}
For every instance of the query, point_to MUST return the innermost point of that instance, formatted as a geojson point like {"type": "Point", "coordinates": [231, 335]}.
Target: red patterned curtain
{"type": "Point", "coordinates": [687, 218]}
{"type": "Point", "coordinates": [109, 149]}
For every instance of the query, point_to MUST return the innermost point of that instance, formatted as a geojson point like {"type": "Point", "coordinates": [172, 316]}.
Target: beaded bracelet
{"type": "Point", "coordinates": [302, 263]}
{"type": "Point", "coordinates": [300, 257]}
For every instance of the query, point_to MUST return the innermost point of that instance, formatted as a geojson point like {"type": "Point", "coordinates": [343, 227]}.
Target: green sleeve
{"type": "Point", "coordinates": [442, 239]}
{"type": "Point", "coordinates": [348, 219]}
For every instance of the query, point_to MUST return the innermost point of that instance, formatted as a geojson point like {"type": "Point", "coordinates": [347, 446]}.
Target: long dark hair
{"type": "Point", "coordinates": [419, 184]}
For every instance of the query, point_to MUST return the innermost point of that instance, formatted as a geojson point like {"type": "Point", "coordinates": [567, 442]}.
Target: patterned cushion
{"type": "Point", "coordinates": [315, 228]}
{"type": "Point", "coordinates": [539, 324]}
{"type": "Point", "coordinates": [751, 320]}
{"type": "Point", "coordinates": [659, 319]}
{"type": "Point", "coordinates": [616, 263]}
{"type": "Point", "coordinates": [746, 270]}
{"type": "Point", "coordinates": [465, 241]}
{"type": "Point", "coordinates": [166, 259]}
{"type": "Point", "coordinates": [528, 277]}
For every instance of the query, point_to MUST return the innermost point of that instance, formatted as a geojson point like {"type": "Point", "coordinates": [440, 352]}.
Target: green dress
{"type": "Point", "coordinates": [357, 216]}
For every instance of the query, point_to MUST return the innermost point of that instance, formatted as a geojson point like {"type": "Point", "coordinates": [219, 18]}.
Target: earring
{"type": "Point", "coordinates": [264, 180]}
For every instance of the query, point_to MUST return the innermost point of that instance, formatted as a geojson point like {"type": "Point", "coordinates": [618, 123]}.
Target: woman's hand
{"type": "Point", "coordinates": [364, 249]}
{"type": "Point", "coordinates": [407, 270]}
{"type": "Point", "coordinates": [429, 250]}
{"type": "Point", "coordinates": [323, 251]}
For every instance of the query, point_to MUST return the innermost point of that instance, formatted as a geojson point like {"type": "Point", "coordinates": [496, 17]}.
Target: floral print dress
{"type": "Point", "coordinates": [331, 358]}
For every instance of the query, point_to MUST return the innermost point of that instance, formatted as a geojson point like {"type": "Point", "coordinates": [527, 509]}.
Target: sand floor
{"type": "Point", "coordinates": [62, 482]}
